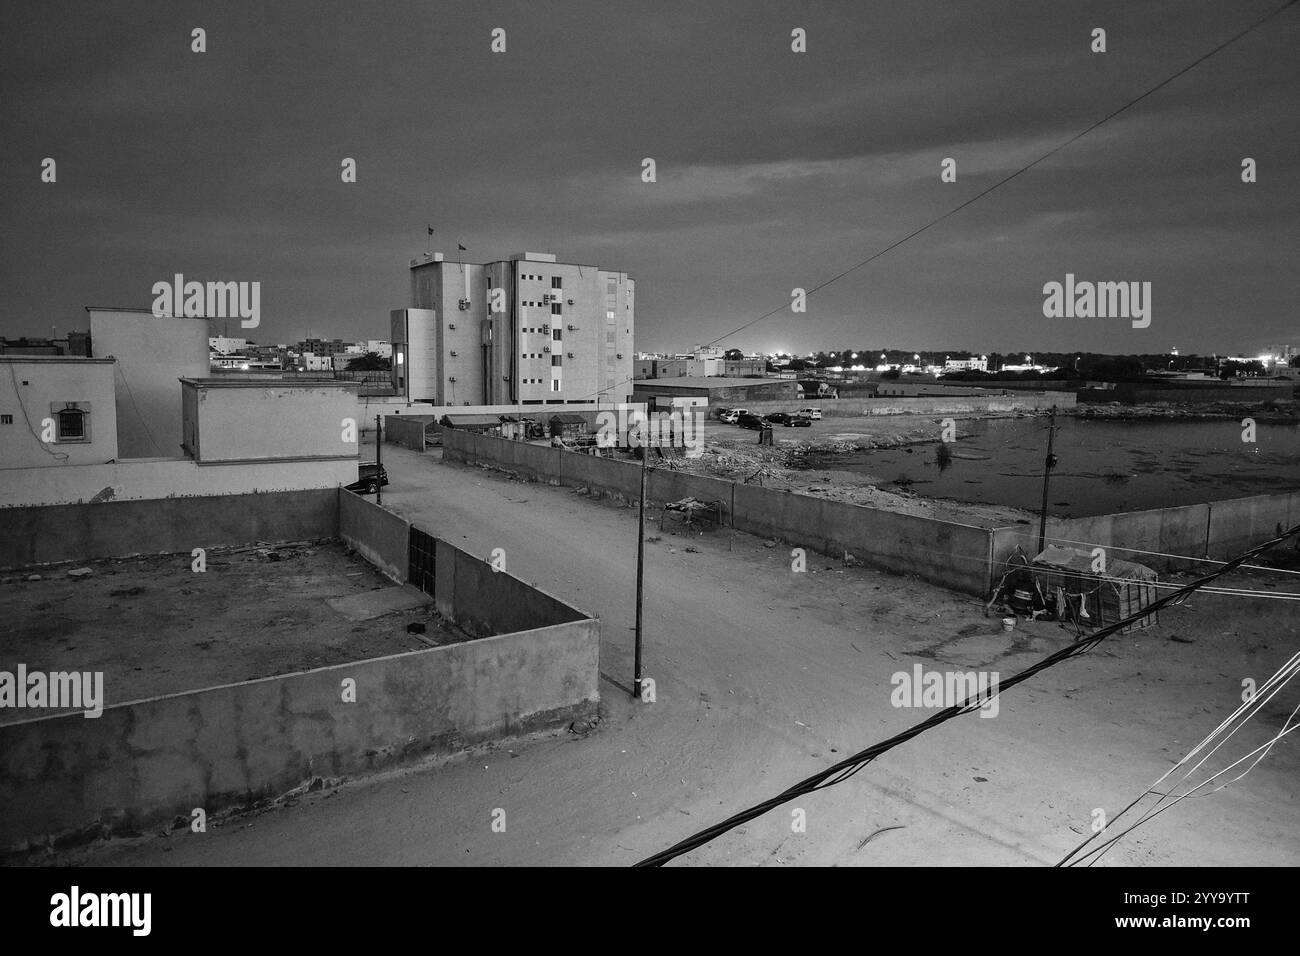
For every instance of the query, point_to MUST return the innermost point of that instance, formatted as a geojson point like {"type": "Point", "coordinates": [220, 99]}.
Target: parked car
{"type": "Point", "coordinates": [732, 415]}
{"type": "Point", "coordinates": [788, 420]}
{"type": "Point", "coordinates": [370, 477]}
{"type": "Point", "coordinates": [750, 421]}
{"type": "Point", "coordinates": [812, 414]}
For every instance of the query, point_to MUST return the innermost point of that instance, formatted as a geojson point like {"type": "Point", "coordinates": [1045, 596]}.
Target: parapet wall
{"type": "Point", "coordinates": [143, 763]}
{"type": "Point", "coordinates": [161, 478]}
{"type": "Point", "coordinates": [53, 533]}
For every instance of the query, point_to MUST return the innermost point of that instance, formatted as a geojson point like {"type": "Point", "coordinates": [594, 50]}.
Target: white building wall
{"type": "Point", "coordinates": [259, 421]}
{"type": "Point", "coordinates": [152, 354]}
{"type": "Point", "coordinates": [33, 390]}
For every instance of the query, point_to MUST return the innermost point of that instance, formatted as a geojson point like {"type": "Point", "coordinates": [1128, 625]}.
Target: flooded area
{"type": "Point", "coordinates": [1103, 466]}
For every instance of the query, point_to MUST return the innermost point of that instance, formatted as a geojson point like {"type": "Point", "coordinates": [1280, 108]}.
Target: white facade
{"type": "Point", "coordinates": [56, 411]}
{"type": "Point", "coordinates": [152, 354]}
{"type": "Point", "coordinates": [242, 420]}
{"type": "Point", "coordinates": [225, 345]}
{"type": "Point", "coordinates": [524, 331]}
{"type": "Point", "coordinates": [980, 364]}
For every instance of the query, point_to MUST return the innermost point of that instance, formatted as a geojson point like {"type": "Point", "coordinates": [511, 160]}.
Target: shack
{"type": "Point", "coordinates": [568, 425]}
{"type": "Point", "coordinates": [1066, 580]}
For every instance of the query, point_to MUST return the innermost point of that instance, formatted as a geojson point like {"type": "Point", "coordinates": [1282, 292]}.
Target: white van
{"type": "Point", "coordinates": [814, 414]}
{"type": "Point", "coordinates": [732, 415]}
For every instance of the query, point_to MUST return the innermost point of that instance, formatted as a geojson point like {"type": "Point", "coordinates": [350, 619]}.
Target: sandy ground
{"type": "Point", "coordinates": [765, 675]}
{"type": "Point", "coordinates": [154, 626]}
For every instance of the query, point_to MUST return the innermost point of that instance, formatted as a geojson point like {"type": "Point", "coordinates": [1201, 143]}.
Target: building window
{"type": "Point", "coordinates": [556, 282]}
{"type": "Point", "coordinates": [71, 424]}
{"type": "Point", "coordinates": [555, 308]}
{"type": "Point", "coordinates": [555, 334]}
{"type": "Point", "coordinates": [557, 360]}
{"type": "Point", "coordinates": [6, 419]}
{"type": "Point", "coordinates": [555, 385]}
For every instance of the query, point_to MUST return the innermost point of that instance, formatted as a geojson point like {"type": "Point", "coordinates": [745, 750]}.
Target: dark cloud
{"type": "Point", "coordinates": [775, 170]}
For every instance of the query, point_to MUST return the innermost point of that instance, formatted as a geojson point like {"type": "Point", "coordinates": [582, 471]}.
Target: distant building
{"type": "Point", "coordinates": [744, 368]}
{"type": "Point", "coordinates": [77, 343]}
{"type": "Point", "coordinates": [563, 333]}
{"type": "Point", "coordinates": [658, 393]}
{"type": "Point", "coordinates": [980, 364]}
{"type": "Point", "coordinates": [225, 345]}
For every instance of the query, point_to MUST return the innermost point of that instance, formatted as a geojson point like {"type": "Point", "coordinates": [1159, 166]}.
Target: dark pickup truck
{"type": "Point", "coordinates": [369, 478]}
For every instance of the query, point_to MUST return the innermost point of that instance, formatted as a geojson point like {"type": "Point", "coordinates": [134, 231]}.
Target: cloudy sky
{"type": "Point", "coordinates": [774, 169]}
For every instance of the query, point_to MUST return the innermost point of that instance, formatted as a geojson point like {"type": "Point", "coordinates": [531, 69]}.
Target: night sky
{"type": "Point", "coordinates": [775, 169]}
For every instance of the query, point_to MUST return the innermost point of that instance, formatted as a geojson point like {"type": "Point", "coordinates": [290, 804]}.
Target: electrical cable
{"type": "Point", "coordinates": [56, 455]}
{"type": "Point", "coordinates": [143, 424]}
{"type": "Point", "coordinates": [1244, 712]}
{"type": "Point", "coordinates": [1002, 182]}
{"type": "Point", "coordinates": [855, 762]}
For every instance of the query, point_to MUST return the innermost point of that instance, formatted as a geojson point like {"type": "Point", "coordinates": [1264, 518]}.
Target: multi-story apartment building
{"type": "Point", "coordinates": [527, 330]}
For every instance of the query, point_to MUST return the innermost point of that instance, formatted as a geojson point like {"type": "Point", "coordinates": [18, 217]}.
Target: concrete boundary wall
{"type": "Point", "coordinates": [376, 534]}
{"type": "Point", "coordinates": [1168, 536]}
{"type": "Point", "coordinates": [942, 552]}
{"type": "Point", "coordinates": [905, 405]}
{"type": "Point", "coordinates": [52, 533]}
{"type": "Point", "coordinates": [407, 431]}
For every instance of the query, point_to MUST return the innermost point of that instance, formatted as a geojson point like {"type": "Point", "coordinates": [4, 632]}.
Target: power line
{"type": "Point", "coordinates": [56, 455]}
{"type": "Point", "coordinates": [850, 765]}
{"type": "Point", "coordinates": [1023, 169]}
{"type": "Point", "coordinates": [1240, 716]}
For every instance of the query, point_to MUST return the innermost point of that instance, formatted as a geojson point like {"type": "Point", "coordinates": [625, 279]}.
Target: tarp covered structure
{"type": "Point", "coordinates": [1066, 579]}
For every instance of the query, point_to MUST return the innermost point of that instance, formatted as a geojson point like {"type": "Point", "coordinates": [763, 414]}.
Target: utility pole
{"type": "Point", "coordinates": [379, 461]}
{"type": "Point", "coordinates": [640, 560]}
{"type": "Point", "coordinates": [1048, 464]}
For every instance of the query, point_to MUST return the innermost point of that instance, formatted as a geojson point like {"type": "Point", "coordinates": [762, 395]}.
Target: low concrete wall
{"type": "Point", "coordinates": [1141, 394]}
{"type": "Point", "coordinates": [1241, 523]}
{"type": "Point", "coordinates": [406, 431]}
{"type": "Point", "coordinates": [1165, 538]}
{"type": "Point", "coordinates": [154, 478]}
{"type": "Point", "coordinates": [930, 405]}
{"type": "Point", "coordinates": [375, 533]}
{"type": "Point", "coordinates": [485, 601]}
{"type": "Point", "coordinates": [45, 535]}
{"type": "Point", "coordinates": [945, 553]}
{"type": "Point", "coordinates": [141, 764]}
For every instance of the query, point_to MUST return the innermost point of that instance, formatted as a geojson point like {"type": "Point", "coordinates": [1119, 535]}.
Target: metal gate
{"type": "Point", "coordinates": [420, 560]}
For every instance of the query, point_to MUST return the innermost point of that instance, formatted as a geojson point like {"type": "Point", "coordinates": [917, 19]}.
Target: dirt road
{"type": "Point", "coordinates": [765, 675]}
